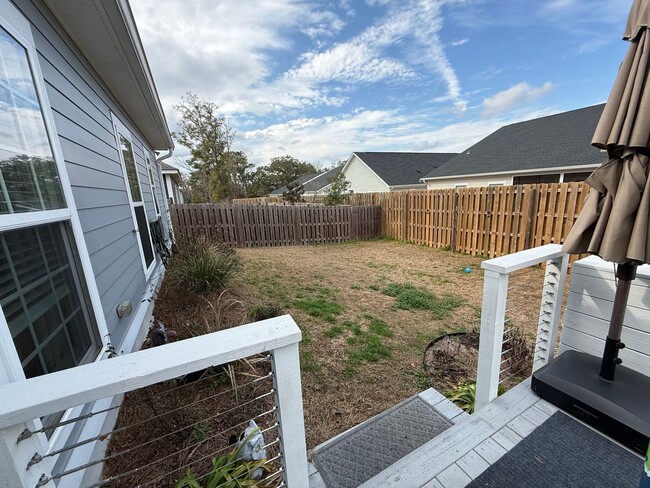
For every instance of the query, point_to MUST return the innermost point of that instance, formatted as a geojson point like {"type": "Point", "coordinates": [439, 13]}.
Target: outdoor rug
{"type": "Point", "coordinates": [356, 456]}
{"type": "Point", "coordinates": [562, 452]}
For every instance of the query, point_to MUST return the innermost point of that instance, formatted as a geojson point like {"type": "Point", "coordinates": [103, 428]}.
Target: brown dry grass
{"type": "Point", "coordinates": [335, 400]}
{"type": "Point", "coordinates": [352, 275]}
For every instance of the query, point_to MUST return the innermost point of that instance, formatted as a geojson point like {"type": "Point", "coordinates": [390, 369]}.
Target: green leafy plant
{"type": "Point", "coordinates": [294, 192]}
{"type": "Point", "coordinates": [464, 395]}
{"type": "Point", "coordinates": [202, 265]}
{"type": "Point", "coordinates": [228, 472]}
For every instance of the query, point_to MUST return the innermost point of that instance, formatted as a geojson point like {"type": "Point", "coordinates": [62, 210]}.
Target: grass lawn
{"type": "Point", "coordinates": [367, 311]}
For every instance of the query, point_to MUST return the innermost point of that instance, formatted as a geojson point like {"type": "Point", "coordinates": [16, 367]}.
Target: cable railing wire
{"type": "Point", "coordinates": [57, 476]}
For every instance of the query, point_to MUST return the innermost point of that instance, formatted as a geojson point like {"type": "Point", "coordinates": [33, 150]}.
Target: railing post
{"type": "Point", "coordinates": [493, 312]}
{"type": "Point", "coordinates": [286, 374]}
{"type": "Point", "coordinates": [15, 457]}
{"type": "Point", "coordinates": [550, 310]}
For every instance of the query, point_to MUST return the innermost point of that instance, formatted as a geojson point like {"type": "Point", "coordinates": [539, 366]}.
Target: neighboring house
{"type": "Point", "coordinates": [80, 191]}
{"type": "Point", "coordinates": [550, 149]}
{"type": "Point", "coordinates": [314, 184]}
{"type": "Point", "coordinates": [173, 180]}
{"type": "Point", "coordinates": [390, 171]}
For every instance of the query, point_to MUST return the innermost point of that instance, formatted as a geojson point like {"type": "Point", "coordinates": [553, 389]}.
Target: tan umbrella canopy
{"type": "Point", "coordinates": [614, 222]}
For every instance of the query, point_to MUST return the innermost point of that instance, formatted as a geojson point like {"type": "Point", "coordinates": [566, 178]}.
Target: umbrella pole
{"type": "Point", "coordinates": [625, 274]}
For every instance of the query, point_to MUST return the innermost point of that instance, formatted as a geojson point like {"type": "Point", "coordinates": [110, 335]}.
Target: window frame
{"type": "Point", "coordinates": [16, 25]}
{"type": "Point", "coordinates": [121, 130]}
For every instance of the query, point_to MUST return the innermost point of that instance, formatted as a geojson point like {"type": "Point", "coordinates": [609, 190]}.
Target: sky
{"type": "Point", "coordinates": [321, 79]}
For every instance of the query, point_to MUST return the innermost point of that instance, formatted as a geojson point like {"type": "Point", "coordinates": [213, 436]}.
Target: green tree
{"type": "Point", "coordinates": [338, 191]}
{"type": "Point", "coordinates": [281, 171]}
{"type": "Point", "coordinates": [208, 137]}
{"type": "Point", "coordinates": [294, 192]}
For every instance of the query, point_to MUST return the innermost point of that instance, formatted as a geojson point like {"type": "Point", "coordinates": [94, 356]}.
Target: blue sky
{"type": "Point", "coordinates": [320, 79]}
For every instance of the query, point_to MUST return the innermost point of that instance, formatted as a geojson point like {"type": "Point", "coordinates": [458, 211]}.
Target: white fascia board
{"type": "Point", "coordinates": [559, 169]}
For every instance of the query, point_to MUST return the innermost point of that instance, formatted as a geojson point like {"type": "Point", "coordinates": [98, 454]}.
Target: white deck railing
{"type": "Point", "coordinates": [493, 313]}
{"type": "Point", "coordinates": [22, 402]}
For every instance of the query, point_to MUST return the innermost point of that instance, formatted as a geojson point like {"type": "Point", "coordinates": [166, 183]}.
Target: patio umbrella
{"type": "Point", "coordinates": [614, 223]}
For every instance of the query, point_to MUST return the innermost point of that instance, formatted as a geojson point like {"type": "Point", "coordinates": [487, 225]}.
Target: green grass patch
{"type": "Point", "coordinates": [368, 347]}
{"type": "Point", "coordinates": [419, 378]}
{"type": "Point", "coordinates": [410, 297]}
{"type": "Point", "coordinates": [319, 302]}
{"type": "Point", "coordinates": [378, 326]}
{"type": "Point", "coordinates": [309, 363]}
{"type": "Point", "coordinates": [334, 331]}
{"type": "Point", "coordinates": [353, 326]}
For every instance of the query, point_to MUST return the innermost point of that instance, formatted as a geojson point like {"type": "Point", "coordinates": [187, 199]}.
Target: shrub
{"type": "Point", "coordinates": [464, 395]}
{"type": "Point", "coordinates": [202, 265]}
{"type": "Point", "coordinates": [338, 191]}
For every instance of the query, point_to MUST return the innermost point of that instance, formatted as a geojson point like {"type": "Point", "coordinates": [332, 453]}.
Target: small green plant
{"type": "Point", "coordinates": [200, 432]}
{"type": "Point", "coordinates": [374, 287]}
{"type": "Point", "coordinates": [464, 395]}
{"type": "Point", "coordinates": [202, 266]}
{"type": "Point", "coordinates": [265, 311]}
{"type": "Point", "coordinates": [420, 379]}
{"type": "Point", "coordinates": [227, 471]}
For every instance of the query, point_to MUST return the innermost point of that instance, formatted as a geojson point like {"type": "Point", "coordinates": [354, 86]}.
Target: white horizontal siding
{"type": "Point", "coordinates": [589, 307]}
{"type": "Point", "coordinates": [362, 179]}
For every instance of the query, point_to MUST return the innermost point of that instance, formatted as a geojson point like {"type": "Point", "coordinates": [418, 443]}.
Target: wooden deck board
{"type": "Point", "coordinates": [453, 477]}
{"type": "Point", "coordinates": [473, 464]}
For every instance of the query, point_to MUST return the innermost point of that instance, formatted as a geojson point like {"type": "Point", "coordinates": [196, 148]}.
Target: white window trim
{"type": "Point", "coordinates": [496, 183]}
{"type": "Point", "coordinates": [121, 129]}
{"type": "Point", "coordinates": [18, 26]}
{"type": "Point", "coordinates": [150, 173]}
{"type": "Point", "coordinates": [10, 366]}
{"type": "Point", "coordinates": [460, 186]}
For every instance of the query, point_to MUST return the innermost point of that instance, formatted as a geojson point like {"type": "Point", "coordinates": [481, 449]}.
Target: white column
{"type": "Point", "coordinates": [493, 311]}
{"type": "Point", "coordinates": [286, 374]}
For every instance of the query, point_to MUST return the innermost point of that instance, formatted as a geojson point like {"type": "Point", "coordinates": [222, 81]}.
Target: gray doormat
{"type": "Point", "coordinates": [360, 454]}
{"type": "Point", "coordinates": [562, 452]}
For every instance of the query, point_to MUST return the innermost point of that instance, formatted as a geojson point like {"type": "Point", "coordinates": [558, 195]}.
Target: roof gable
{"type": "Point", "coordinates": [554, 141]}
{"type": "Point", "coordinates": [402, 168]}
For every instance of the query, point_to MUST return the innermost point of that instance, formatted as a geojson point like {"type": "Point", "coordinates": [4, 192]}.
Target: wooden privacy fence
{"type": "Point", "coordinates": [486, 221]}
{"type": "Point", "coordinates": [275, 225]}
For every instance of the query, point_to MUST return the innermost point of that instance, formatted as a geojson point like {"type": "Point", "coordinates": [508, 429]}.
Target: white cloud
{"type": "Point", "coordinates": [459, 42]}
{"type": "Point", "coordinates": [322, 23]}
{"type": "Point", "coordinates": [328, 139]}
{"type": "Point", "coordinates": [514, 96]}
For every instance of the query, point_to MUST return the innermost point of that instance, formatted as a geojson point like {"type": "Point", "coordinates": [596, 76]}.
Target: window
{"type": "Point", "coordinates": [152, 182]}
{"type": "Point", "coordinates": [138, 210]}
{"type": "Point", "coordinates": [500, 183]}
{"type": "Point", "coordinates": [43, 298]}
{"type": "Point", "coordinates": [536, 179]}
{"type": "Point", "coordinates": [460, 185]}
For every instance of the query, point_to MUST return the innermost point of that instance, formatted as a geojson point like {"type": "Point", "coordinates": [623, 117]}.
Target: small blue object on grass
{"type": "Point", "coordinates": [468, 270]}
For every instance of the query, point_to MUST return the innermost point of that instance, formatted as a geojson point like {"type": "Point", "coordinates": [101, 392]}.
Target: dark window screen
{"type": "Point", "coordinates": [143, 230]}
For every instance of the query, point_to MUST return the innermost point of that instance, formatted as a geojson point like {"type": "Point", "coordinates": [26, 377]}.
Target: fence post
{"type": "Point", "coordinates": [239, 224]}
{"type": "Point", "coordinates": [493, 314]}
{"type": "Point", "coordinates": [286, 378]}
{"type": "Point", "coordinates": [405, 216]}
{"type": "Point", "coordinates": [454, 219]}
{"type": "Point", "coordinates": [297, 227]}
{"type": "Point", "coordinates": [550, 310]}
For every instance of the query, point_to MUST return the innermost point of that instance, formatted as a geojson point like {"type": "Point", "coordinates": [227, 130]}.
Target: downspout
{"type": "Point", "coordinates": [165, 156]}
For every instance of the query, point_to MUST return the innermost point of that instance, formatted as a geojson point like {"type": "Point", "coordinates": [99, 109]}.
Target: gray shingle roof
{"type": "Point", "coordinates": [313, 181]}
{"type": "Point", "coordinates": [302, 180]}
{"type": "Point", "coordinates": [548, 142]}
{"type": "Point", "coordinates": [403, 168]}
{"type": "Point", "coordinates": [322, 180]}
{"type": "Point", "coordinates": [168, 167]}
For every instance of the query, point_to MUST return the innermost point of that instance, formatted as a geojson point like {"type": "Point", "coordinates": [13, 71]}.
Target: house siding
{"type": "Point", "coordinates": [472, 181]}
{"type": "Point", "coordinates": [362, 179]}
{"type": "Point", "coordinates": [82, 106]}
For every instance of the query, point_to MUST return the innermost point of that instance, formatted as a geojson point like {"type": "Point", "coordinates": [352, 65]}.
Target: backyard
{"type": "Point", "coordinates": [367, 311]}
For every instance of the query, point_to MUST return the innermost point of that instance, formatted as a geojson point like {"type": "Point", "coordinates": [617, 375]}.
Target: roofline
{"type": "Point", "coordinates": [407, 185]}
{"type": "Point", "coordinates": [561, 169]}
{"type": "Point", "coordinates": [366, 165]}
{"type": "Point", "coordinates": [115, 19]}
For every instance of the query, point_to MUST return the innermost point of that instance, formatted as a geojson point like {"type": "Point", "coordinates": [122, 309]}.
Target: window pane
{"type": "Point", "coordinates": [143, 231]}
{"type": "Point", "coordinates": [40, 299]}
{"type": "Point", "coordinates": [28, 177]}
{"type": "Point", "coordinates": [131, 171]}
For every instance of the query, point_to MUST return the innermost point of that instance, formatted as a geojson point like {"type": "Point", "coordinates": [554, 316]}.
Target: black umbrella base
{"type": "Point", "coordinates": [619, 409]}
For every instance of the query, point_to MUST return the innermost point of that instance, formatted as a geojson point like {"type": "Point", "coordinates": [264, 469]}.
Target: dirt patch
{"type": "Point", "coordinates": [451, 359]}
